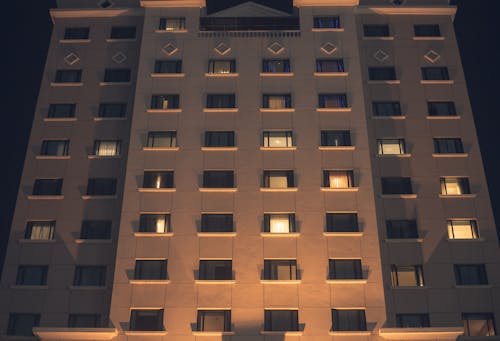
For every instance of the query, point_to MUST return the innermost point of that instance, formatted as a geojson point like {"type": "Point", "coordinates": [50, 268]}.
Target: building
{"type": "Point", "coordinates": [252, 173]}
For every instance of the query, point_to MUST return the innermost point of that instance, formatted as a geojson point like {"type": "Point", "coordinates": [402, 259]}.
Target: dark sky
{"type": "Point", "coordinates": [27, 32]}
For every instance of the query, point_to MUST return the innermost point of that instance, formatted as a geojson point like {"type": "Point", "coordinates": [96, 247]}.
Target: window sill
{"type": "Point", "coordinates": [277, 110]}
{"type": "Point", "coordinates": [114, 83]}
{"type": "Point", "coordinates": [153, 234]}
{"type": "Point", "coordinates": [278, 148]}
{"type": "Point", "coordinates": [163, 111]}
{"type": "Point", "coordinates": [222, 75]}
{"type": "Point", "coordinates": [75, 41]}
{"type": "Point", "coordinates": [276, 74]}
{"type": "Point", "coordinates": [450, 155]}
{"type": "Point", "coordinates": [393, 155]}
{"type": "Point", "coordinates": [436, 81]}
{"type": "Point", "coordinates": [97, 197]}
{"type": "Point", "coordinates": [171, 31]}
{"type": "Point", "coordinates": [149, 281]}
{"type": "Point", "coordinates": [37, 241]}
{"type": "Point", "coordinates": [400, 117]}
{"type": "Point", "coordinates": [391, 81]}
{"type": "Point", "coordinates": [354, 333]}
{"type": "Point", "coordinates": [45, 197]}
{"type": "Point", "coordinates": [280, 281]}
{"type": "Point", "coordinates": [346, 281]}
{"type": "Point", "coordinates": [99, 119]}
{"type": "Point", "coordinates": [52, 157]}
{"type": "Point", "coordinates": [404, 240]}
{"type": "Point", "coordinates": [379, 38]}
{"type": "Point", "coordinates": [118, 40]}
{"type": "Point", "coordinates": [334, 109]}
{"type": "Point", "coordinates": [329, 189]}
{"type": "Point", "coordinates": [343, 234]}
{"type": "Point", "coordinates": [398, 196]}
{"type": "Point", "coordinates": [92, 241]}
{"type": "Point", "coordinates": [339, 29]}
{"type": "Point", "coordinates": [336, 147]}
{"type": "Point", "coordinates": [102, 157]}
{"type": "Point", "coordinates": [279, 235]}
{"type": "Point", "coordinates": [46, 333]}
{"type": "Point", "coordinates": [331, 74]}
{"type": "Point", "coordinates": [284, 333]}
{"type": "Point", "coordinates": [217, 190]}
{"type": "Point", "coordinates": [87, 287]}
{"type": "Point", "coordinates": [168, 75]}
{"type": "Point", "coordinates": [145, 332]}
{"type": "Point", "coordinates": [215, 281]}
{"type": "Point", "coordinates": [473, 286]}
{"type": "Point", "coordinates": [429, 38]}
{"type": "Point", "coordinates": [200, 333]}
{"type": "Point", "coordinates": [63, 85]}
{"type": "Point", "coordinates": [29, 287]}
{"type": "Point", "coordinates": [156, 190]}
{"type": "Point", "coordinates": [216, 234]}
{"type": "Point", "coordinates": [219, 149]}
{"type": "Point", "coordinates": [447, 117]}
{"type": "Point", "coordinates": [220, 109]}
{"type": "Point", "coordinates": [59, 119]}
{"type": "Point", "coordinates": [161, 149]}
{"type": "Point", "coordinates": [428, 333]}
{"type": "Point", "coordinates": [289, 189]}
{"type": "Point", "coordinates": [457, 196]}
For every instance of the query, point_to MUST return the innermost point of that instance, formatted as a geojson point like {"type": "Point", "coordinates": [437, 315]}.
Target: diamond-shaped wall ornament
{"type": "Point", "coordinates": [276, 48]}
{"type": "Point", "coordinates": [170, 49]}
{"type": "Point", "coordinates": [222, 49]}
{"type": "Point", "coordinates": [105, 3]}
{"type": "Point", "coordinates": [432, 56]}
{"type": "Point", "coordinates": [380, 55]}
{"type": "Point", "coordinates": [328, 48]}
{"type": "Point", "coordinates": [119, 57]}
{"type": "Point", "coordinates": [71, 58]}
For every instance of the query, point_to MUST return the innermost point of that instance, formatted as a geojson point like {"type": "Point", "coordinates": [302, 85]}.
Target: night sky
{"type": "Point", "coordinates": [27, 33]}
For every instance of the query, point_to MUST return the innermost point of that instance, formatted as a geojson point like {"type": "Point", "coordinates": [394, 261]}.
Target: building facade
{"type": "Point", "coordinates": [252, 173]}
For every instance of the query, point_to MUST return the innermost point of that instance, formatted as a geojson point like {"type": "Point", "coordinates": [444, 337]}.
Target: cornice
{"type": "Point", "coordinates": [428, 10]}
{"type": "Point", "coordinates": [95, 13]}
{"type": "Point", "coordinates": [304, 3]}
{"type": "Point", "coordinates": [173, 3]}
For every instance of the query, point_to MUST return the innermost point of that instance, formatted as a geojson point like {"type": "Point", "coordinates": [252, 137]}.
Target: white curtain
{"type": "Point", "coordinates": [42, 231]}
{"type": "Point", "coordinates": [107, 148]}
{"type": "Point", "coordinates": [339, 180]}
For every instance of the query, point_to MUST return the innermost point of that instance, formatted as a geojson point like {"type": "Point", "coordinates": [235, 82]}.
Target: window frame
{"type": "Point", "coordinates": [332, 226]}
{"type": "Point", "coordinates": [272, 65]}
{"type": "Point", "coordinates": [430, 73]}
{"type": "Point", "coordinates": [158, 101]}
{"type": "Point", "coordinates": [217, 223]}
{"type": "Point", "coordinates": [68, 76]}
{"type": "Point", "coordinates": [144, 220]}
{"type": "Point", "coordinates": [221, 101]}
{"type": "Point", "coordinates": [293, 324]}
{"type": "Point", "coordinates": [399, 232]}
{"type": "Point", "coordinates": [268, 227]}
{"type": "Point", "coordinates": [141, 272]}
{"type": "Point", "coordinates": [37, 278]}
{"type": "Point", "coordinates": [119, 32]}
{"type": "Point", "coordinates": [479, 277]}
{"type": "Point", "coordinates": [219, 139]}
{"type": "Point", "coordinates": [79, 274]}
{"type": "Point", "coordinates": [332, 101]}
{"type": "Point", "coordinates": [117, 75]}
{"type": "Point", "coordinates": [335, 273]}
{"type": "Point", "coordinates": [160, 68]}
{"type": "Point", "coordinates": [207, 270]}
{"type": "Point", "coordinates": [287, 136]}
{"type": "Point", "coordinates": [76, 33]}
{"type": "Point", "coordinates": [396, 185]}
{"type": "Point", "coordinates": [271, 269]}
{"type": "Point", "coordinates": [418, 32]}
{"type": "Point", "coordinates": [28, 234]}
{"type": "Point", "coordinates": [164, 179]}
{"type": "Point", "coordinates": [133, 322]}
{"type": "Point", "coordinates": [337, 320]}
{"type": "Point", "coordinates": [57, 183]}
{"type": "Point", "coordinates": [87, 230]}
{"type": "Point", "coordinates": [219, 179]}
{"type": "Point", "coordinates": [474, 231]}
{"type": "Point", "coordinates": [104, 110]}
{"type": "Point", "coordinates": [418, 274]}
{"type": "Point", "coordinates": [213, 66]}
{"type": "Point", "coordinates": [378, 107]}
{"type": "Point", "coordinates": [379, 30]}
{"type": "Point", "coordinates": [55, 107]}
{"type": "Point", "coordinates": [381, 143]}
{"type": "Point", "coordinates": [159, 135]}
{"type": "Point", "coordinates": [200, 319]}
{"type": "Point", "coordinates": [164, 26]}
{"type": "Point", "coordinates": [102, 186]}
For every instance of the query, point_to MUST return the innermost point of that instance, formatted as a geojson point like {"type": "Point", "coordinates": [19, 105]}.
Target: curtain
{"type": "Point", "coordinates": [107, 148]}
{"type": "Point", "coordinates": [42, 231]}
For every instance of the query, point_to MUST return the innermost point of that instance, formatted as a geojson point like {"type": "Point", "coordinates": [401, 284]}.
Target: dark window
{"type": "Point", "coordinates": [348, 320]}
{"type": "Point", "coordinates": [326, 22]}
{"type": "Point", "coordinates": [376, 30]}
{"type": "Point", "coordinates": [427, 30]}
{"type": "Point", "coordinates": [158, 179]}
{"type": "Point", "coordinates": [448, 146]}
{"type": "Point", "coordinates": [84, 321]}
{"type": "Point", "coordinates": [112, 110]}
{"type": "Point", "coordinates": [146, 319]}
{"type": "Point", "coordinates": [154, 223]}
{"type": "Point", "coordinates": [221, 101]}
{"type": "Point", "coordinates": [216, 222]}
{"type": "Point", "coordinates": [117, 75]}
{"type": "Point", "coordinates": [47, 187]}
{"type": "Point", "coordinates": [218, 179]}
{"type": "Point", "coordinates": [386, 108]}
{"type": "Point", "coordinates": [22, 324]}
{"type": "Point", "coordinates": [55, 147]}
{"type": "Point", "coordinates": [168, 66]}
{"type": "Point", "coordinates": [215, 270]}
{"type": "Point", "coordinates": [32, 275]}
{"type": "Point", "coordinates": [151, 269]}
{"type": "Point", "coordinates": [391, 146]}
{"type": "Point", "coordinates": [221, 66]}
{"type": "Point", "coordinates": [281, 320]}
{"type": "Point", "coordinates": [40, 230]}
{"type": "Point", "coordinates": [219, 139]}
{"type": "Point", "coordinates": [61, 110]}
{"type": "Point", "coordinates": [68, 76]}
{"type": "Point", "coordinates": [101, 186]}
{"type": "Point", "coordinates": [470, 274]}
{"type": "Point", "coordinates": [479, 324]}
{"type": "Point", "coordinates": [165, 102]}
{"type": "Point", "coordinates": [279, 223]}
{"type": "Point", "coordinates": [342, 222]}
{"type": "Point", "coordinates": [332, 101]}
{"type": "Point", "coordinates": [345, 269]}
{"type": "Point", "coordinates": [330, 65]}
{"type": "Point", "coordinates": [396, 185]}
{"type": "Point", "coordinates": [90, 276]}
{"type": "Point", "coordinates": [280, 269]}
{"type": "Point", "coordinates": [277, 101]}
{"type": "Point", "coordinates": [278, 179]}
{"type": "Point", "coordinates": [412, 321]}
{"type": "Point", "coordinates": [76, 33]}
{"type": "Point", "coordinates": [214, 321]}
{"type": "Point", "coordinates": [172, 24]}
{"type": "Point", "coordinates": [401, 229]}
{"type": "Point", "coordinates": [435, 73]}
{"type": "Point", "coordinates": [441, 109]}
{"type": "Point", "coordinates": [107, 148]}
{"type": "Point", "coordinates": [382, 73]}
{"type": "Point", "coordinates": [162, 139]}
{"type": "Point", "coordinates": [455, 186]}
{"type": "Point", "coordinates": [407, 276]}
{"type": "Point", "coordinates": [95, 229]}
{"type": "Point", "coordinates": [123, 32]}
{"type": "Point", "coordinates": [277, 139]}
{"type": "Point", "coordinates": [276, 65]}
{"type": "Point", "coordinates": [338, 179]}
{"type": "Point", "coordinates": [335, 138]}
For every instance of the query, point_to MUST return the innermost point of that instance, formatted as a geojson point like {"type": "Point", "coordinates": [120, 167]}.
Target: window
{"type": "Point", "coordinates": [330, 65]}
{"type": "Point", "coordinates": [112, 110]}
{"type": "Point", "coordinates": [165, 102]}
{"type": "Point", "coordinates": [279, 223]}
{"type": "Point", "coordinates": [219, 139]}
{"type": "Point", "coordinates": [278, 179]}
{"type": "Point", "coordinates": [168, 66]}
{"type": "Point", "coordinates": [338, 179]}
{"type": "Point", "coordinates": [345, 269]}
{"type": "Point", "coordinates": [221, 66]}
{"type": "Point", "coordinates": [117, 75]}
{"type": "Point", "coordinates": [162, 139]}
{"type": "Point", "coordinates": [441, 109]}
{"type": "Point", "coordinates": [146, 319]}
{"type": "Point", "coordinates": [76, 33]}
{"type": "Point", "coordinates": [401, 229]}
{"type": "Point", "coordinates": [150, 269]}
{"type": "Point", "coordinates": [154, 223]}
{"type": "Point", "coordinates": [335, 138]}
{"type": "Point", "coordinates": [68, 76]}
{"type": "Point", "coordinates": [61, 110]}
{"type": "Point", "coordinates": [101, 186]}
{"type": "Point", "coordinates": [218, 179]}
{"type": "Point", "coordinates": [84, 320]}
{"type": "Point", "coordinates": [326, 22]}
{"type": "Point", "coordinates": [391, 147]}
{"type": "Point", "coordinates": [348, 320]}
{"type": "Point", "coordinates": [211, 222]}
{"type": "Point", "coordinates": [281, 320]}
{"type": "Point", "coordinates": [277, 139]}
{"type": "Point", "coordinates": [158, 179]}
{"type": "Point", "coordinates": [221, 101]}
{"type": "Point", "coordinates": [455, 186]}
{"type": "Point", "coordinates": [277, 101]}
{"type": "Point", "coordinates": [342, 222]}
{"type": "Point", "coordinates": [396, 185]}
{"type": "Point", "coordinates": [276, 66]}
{"type": "Point", "coordinates": [462, 229]}
{"type": "Point", "coordinates": [47, 187]}
{"type": "Point", "coordinates": [172, 24]}
{"type": "Point", "coordinates": [123, 32]}
{"type": "Point", "coordinates": [280, 269]}
{"type": "Point", "coordinates": [407, 276]}
{"type": "Point", "coordinates": [448, 146]}
{"type": "Point", "coordinates": [376, 30]}
{"type": "Point", "coordinates": [470, 274]}
{"type": "Point", "coordinates": [214, 270]}
{"type": "Point", "coordinates": [214, 321]}
{"type": "Point", "coordinates": [332, 101]}
{"type": "Point", "coordinates": [40, 230]}
{"type": "Point", "coordinates": [427, 30]}
{"type": "Point", "coordinates": [435, 73]}
{"type": "Point", "coordinates": [22, 324]}
{"type": "Point", "coordinates": [95, 229]}
{"type": "Point", "coordinates": [107, 147]}
{"type": "Point", "coordinates": [412, 321]}
{"type": "Point", "coordinates": [386, 109]}
{"type": "Point", "coordinates": [90, 276]}
{"type": "Point", "coordinates": [382, 73]}
{"type": "Point", "coordinates": [32, 275]}
{"type": "Point", "coordinates": [479, 324]}
{"type": "Point", "coordinates": [55, 147]}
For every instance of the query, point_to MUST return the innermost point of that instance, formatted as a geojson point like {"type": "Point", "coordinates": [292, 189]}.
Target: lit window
{"type": "Point", "coordinates": [165, 102]}
{"type": "Point", "coordinates": [391, 146]}
{"type": "Point", "coordinates": [84, 321]}
{"type": "Point", "coordinates": [32, 275]}
{"type": "Point", "coordinates": [348, 320]}
{"type": "Point", "coordinates": [221, 66]}
{"type": "Point", "coordinates": [401, 229]}
{"type": "Point", "coordinates": [172, 24]}
{"type": "Point", "coordinates": [386, 109]}
{"type": "Point", "coordinates": [338, 179]}
{"type": "Point", "coordinates": [154, 223]}
{"type": "Point", "coordinates": [150, 269]}
{"type": "Point", "coordinates": [280, 269]}
{"type": "Point", "coordinates": [330, 65]}
{"type": "Point", "coordinates": [342, 222]}
{"type": "Point", "coordinates": [146, 319]}
{"type": "Point", "coordinates": [412, 321]}
{"type": "Point", "coordinates": [61, 110]}
{"type": "Point", "coordinates": [162, 139]}
{"type": "Point", "coordinates": [90, 276]}
{"type": "Point", "coordinates": [407, 276]}
{"type": "Point", "coordinates": [332, 101]}
{"type": "Point", "coordinates": [55, 147]}
{"type": "Point", "coordinates": [281, 320]}
{"type": "Point", "coordinates": [168, 66]}
{"type": "Point", "coordinates": [40, 230]}
{"type": "Point", "coordinates": [376, 30]}
{"type": "Point", "coordinates": [345, 269]}
{"type": "Point", "coordinates": [427, 30]}
{"type": "Point", "coordinates": [462, 229]}
{"type": "Point", "coordinates": [212, 222]}
{"type": "Point", "coordinates": [158, 179]}
{"type": "Point", "coordinates": [276, 66]}
{"type": "Point", "coordinates": [22, 324]}
{"type": "Point", "coordinates": [279, 223]}
{"type": "Point", "coordinates": [95, 229]}
{"type": "Point", "coordinates": [216, 270]}
{"type": "Point", "coordinates": [214, 321]}
{"type": "Point", "coordinates": [277, 101]}
{"type": "Point", "coordinates": [107, 148]}
{"type": "Point", "coordinates": [123, 32]}
{"type": "Point", "coordinates": [326, 22]}
{"type": "Point", "coordinates": [479, 324]}
{"type": "Point", "coordinates": [455, 186]}
{"type": "Point", "coordinates": [278, 179]}
{"type": "Point", "coordinates": [277, 139]}
{"type": "Point", "coordinates": [470, 274]}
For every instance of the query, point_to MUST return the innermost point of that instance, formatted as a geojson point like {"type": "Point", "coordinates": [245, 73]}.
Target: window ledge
{"type": "Point", "coordinates": [284, 333]}
{"type": "Point", "coordinates": [457, 196]}
{"type": "Point", "coordinates": [389, 81]}
{"type": "Point", "coordinates": [447, 117]}
{"type": "Point", "coordinates": [277, 110]}
{"type": "Point", "coordinates": [346, 281]}
{"type": "Point", "coordinates": [75, 41]}
{"type": "Point", "coordinates": [156, 190]}
{"type": "Point", "coordinates": [145, 333]}
{"type": "Point", "coordinates": [331, 74]}
{"type": "Point", "coordinates": [45, 197]}
{"type": "Point", "coordinates": [404, 240]}
{"type": "Point", "coordinates": [219, 149]}
{"type": "Point", "coordinates": [45, 333]}
{"type": "Point", "coordinates": [92, 241]}
{"type": "Point", "coordinates": [288, 189]}
{"type": "Point", "coordinates": [103, 157]}
{"type": "Point", "coordinates": [353, 333]}
{"type": "Point", "coordinates": [29, 287]}
{"type": "Point", "coordinates": [437, 81]}
{"type": "Point", "coordinates": [379, 38]}
{"type": "Point", "coordinates": [98, 119]}
{"type": "Point", "coordinates": [94, 197]}
{"type": "Point", "coordinates": [216, 234]}
{"type": "Point", "coordinates": [279, 235]}
{"type": "Point", "coordinates": [52, 157]}
{"type": "Point", "coordinates": [329, 189]}
{"type": "Point", "coordinates": [393, 155]}
{"type": "Point", "coordinates": [168, 75]}
{"type": "Point", "coordinates": [429, 38]}
{"type": "Point", "coordinates": [457, 240]}
{"type": "Point", "coordinates": [201, 333]}
{"type": "Point", "coordinates": [68, 84]}
{"type": "Point", "coordinates": [153, 234]}
{"type": "Point", "coordinates": [149, 281]}
{"type": "Point", "coordinates": [343, 234]}
{"type": "Point", "coordinates": [215, 281]}
{"type": "Point", "coordinates": [163, 111]}
{"type": "Point", "coordinates": [336, 147]}
{"type": "Point", "coordinates": [222, 75]}
{"type": "Point", "coordinates": [37, 241]}
{"type": "Point", "coordinates": [473, 286]}
{"type": "Point", "coordinates": [400, 117]}
{"type": "Point", "coordinates": [118, 40]}
{"type": "Point", "coordinates": [398, 196]}
{"type": "Point", "coordinates": [338, 29]}
{"type": "Point", "coordinates": [114, 83]}
{"type": "Point", "coordinates": [278, 148]}
{"type": "Point", "coordinates": [59, 119]}
{"type": "Point", "coordinates": [280, 281]}
{"type": "Point", "coordinates": [428, 333]}
{"type": "Point", "coordinates": [276, 74]}
{"type": "Point", "coordinates": [218, 190]}
{"type": "Point", "coordinates": [348, 109]}
{"type": "Point", "coordinates": [171, 31]}
{"type": "Point", "coordinates": [450, 155]}
{"type": "Point", "coordinates": [87, 287]}
{"type": "Point", "coordinates": [160, 149]}
{"type": "Point", "coordinates": [220, 109]}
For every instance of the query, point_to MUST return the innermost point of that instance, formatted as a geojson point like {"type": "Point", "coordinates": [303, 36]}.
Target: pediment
{"type": "Point", "coordinates": [248, 10]}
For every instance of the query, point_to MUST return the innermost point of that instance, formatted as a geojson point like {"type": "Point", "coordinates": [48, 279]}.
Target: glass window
{"type": "Point", "coordinates": [281, 320]}
{"type": "Point", "coordinates": [345, 269]}
{"type": "Point", "coordinates": [172, 24]}
{"type": "Point", "coordinates": [479, 324]}
{"type": "Point", "coordinates": [396, 185]}
{"type": "Point", "coordinates": [218, 179]}
{"type": "Point", "coordinates": [338, 179]}
{"type": "Point", "coordinates": [40, 230]}
{"type": "Point", "coordinates": [435, 73]}
{"type": "Point", "coordinates": [219, 139]}
{"type": "Point", "coordinates": [221, 66]}
{"type": "Point", "coordinates": [276, 66]}
{"type": "Point", "coordinates": [376, 30]}
{"type": "Point", "coordinates": [221, 101]}
{"type": "Point", "coordinates": [455, 186]}
{"type": "Point", "coordinates": [332, 101]}
{"type": "Point", "coordinates": [391, 147]}
{"type": "Point", "coordinates": [162, 139]}
{"type": "Point", "coordinates": [412, 321]}
{"type": "Point", "coordinates": [326, 22]}
{"type": "Point", "coordinates": [214, 321]}
{"type": "Point", "coordinates": [68, 76]}
{"type": "Point", "coordinates": [448, 146]}
{"type": "Point", "coordinates": [441, 109]}
{"type": "Point", "coordinates": [280, 269]}
{"type": "Point", "coordinates": [117, 75]}
{"type": "Point", "coordinates": [277, 101]}
{"type": "Point", "coordinates": [32, 275]}
{"type": "Point", "coordinates": [330, 65]}
{"type": "Point", "coordinates": [84, 321]}
{"type": "Point", "coordinates": [55, 147]}
{"type": "Point", "coordinates": [401, 229]}
{"type": "Point", "coordinates": [76, 33]}
{"type": "Point", "coordinates": [155, 223]}
{"type": "Point", "coordinates": [382, 73]}
{"type": "Point", "coordinates": [165, 102]}
{"type": "Point", "coordinates": [470, 274]}
{"type": "Point", "coordinates": [90, 275]}
{"type": "Point", "coordinates": [277, 139]}
{"type": "Point", "coordinates": [342, 222]}
{"type": "Point", "coordinates": [95, 229]}
{"type": "Point", "coordinates": [47, 187]}
{"type": "Point", "coordinates": [151, 269]}
{"type": "Point", "coordinates": [335, 138]}
{"type": "Point", "coordinates": [61, 110]}
{"type": "Point", "coordinates": [123, 32]}
{"type": "Point", "coordinates": [107, 147]}
{"type": "Point", "coordinates": [278, 179]}
{"type": "Point", "coordinates": [101, 186]}
{"type": "Point", "coordinates": [146, 319]}
{"type": "Point", "coordinates": [158, 179]}
{"type": "Point", "coordinates": [407, 276]}
{"type": "Point", "coordinates": [216, 270]}
{"type": "Point", "coordinates": [387, 109]}
{"type": "Point", "coordinates": [348, 320]}
{"type": "Point", "coordinates": [213, 222]}
{"type": "Point", "coordinates": [112, 110]}
{"type": "Point", "coordinates": [279, 223]}
{"type": "Point", "coordinates": [168, 66]}
{"type": "Point", "coordinates": [427, 30]}
{"type": "Point", "coordinates": [22, 324]}
{"type": "Point", "coordinates": [462, 229]}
